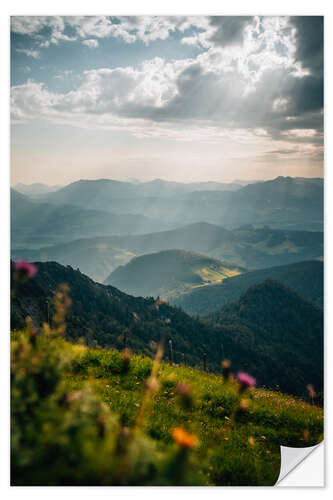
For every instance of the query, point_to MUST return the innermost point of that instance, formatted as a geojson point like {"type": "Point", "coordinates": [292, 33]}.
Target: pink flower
{"type": "Point", "coordinates": [25, 268]}
{"type": "Point", "coordinates": [246, 380]}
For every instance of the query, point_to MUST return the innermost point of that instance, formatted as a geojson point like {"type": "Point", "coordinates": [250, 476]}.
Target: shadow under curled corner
{"type": "Point", "coordinates": [291, 458]}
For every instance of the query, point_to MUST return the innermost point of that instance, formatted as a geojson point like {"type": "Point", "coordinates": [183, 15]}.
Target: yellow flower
{"type": "Point", "coordinates": [251, 441]}
{"type": "Point", "coordinates": [184, 438]}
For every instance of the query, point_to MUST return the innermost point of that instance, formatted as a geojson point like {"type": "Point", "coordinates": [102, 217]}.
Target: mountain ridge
{"type": "Point", "coordinates": [101, 314]}
{"type": "Point", "coordinates": [305, 278]}
{"type": "Point", "coordinates": [169, 272]}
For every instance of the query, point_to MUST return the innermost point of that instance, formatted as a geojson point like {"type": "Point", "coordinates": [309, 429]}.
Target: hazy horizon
{"type": "Point", "coordinates": [185, 99]}
{"type": "Point", "coordinates": [234, 181]}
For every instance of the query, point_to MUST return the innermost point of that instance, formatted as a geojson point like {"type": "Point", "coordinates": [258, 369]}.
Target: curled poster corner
{"type": "Point", "coordinates": [291, 458]}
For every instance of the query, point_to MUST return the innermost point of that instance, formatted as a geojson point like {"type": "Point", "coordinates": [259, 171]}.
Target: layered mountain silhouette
{"type": "Point", "coordinates": [34, 223]}
{"type": "Point", "coordinates": [284, 202]}
{"type": "Point", "coordinates": [246, 247]}
{"type": "Point", "coordinates": [271, 331]}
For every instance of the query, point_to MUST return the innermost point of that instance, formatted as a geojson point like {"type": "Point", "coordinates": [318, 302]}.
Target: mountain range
{"type": "Point", "coordinates": [284, 202]}
{"type": "Point", "coordinates": [246, 247]}
{"type": "Point", "coordinates": [270, 331]}
{"type": "Point", "coordinates": [34, 223]}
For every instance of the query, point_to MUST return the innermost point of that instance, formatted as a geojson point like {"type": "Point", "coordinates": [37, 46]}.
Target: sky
{"type": "Point", "coordinates": [179, 98]}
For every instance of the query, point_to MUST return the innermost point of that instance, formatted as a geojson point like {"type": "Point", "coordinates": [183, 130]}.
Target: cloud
{"type": "Point", "coordinates": [91, 43]}
{"type": "Point", "coordinates": [181, 91]}
{"type": "Point", "coordinates": [229, 30]}
{"type": "Point", "coordinates": [207, 31]}
{"type": "Point", "coordinates": [28, 25]}
{"type": "Point", "coordinates": [255, 76]}
{"type": "Point", "coordinates": [30, 53]}
{"type": "Point", "coordinates": [310, 42]}
{"type": "Point", "coordinates": [46, 29]}
{"type": "Point", "coordinates": [129, 28]}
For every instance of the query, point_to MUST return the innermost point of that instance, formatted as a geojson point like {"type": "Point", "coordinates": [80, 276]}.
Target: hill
{"type": "Point", "coordinates": [246, 246]}
{"type": "Point", "coordinates": [283, 346]}
{"type": "Point", "coordinates": [169, 273]}
{"type": "Point", "coordinates": [306, 278]}
{"type": "Point", "coordinates": [101, 314]}
{"type": "Point", "coordinates": [98, 193]}
{"type": "Point", "coordinates": [85, 416]}
{"type": "Point", "coordinates": [270, 318]}
{"type": "Point", "coordinates": [284, 202]}
{"type": "Point", "coordinates": [36, 189]}
{"type": "Point", "coordinates": [95, 257]}
{"type": "Point", "coordinates": [34, 223]}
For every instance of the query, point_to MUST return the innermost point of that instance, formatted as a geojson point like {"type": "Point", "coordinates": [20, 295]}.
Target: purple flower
{"type": "Point", "coordinates": [246, 380]}
{"type": "Point", "coordinates": [25, 268]}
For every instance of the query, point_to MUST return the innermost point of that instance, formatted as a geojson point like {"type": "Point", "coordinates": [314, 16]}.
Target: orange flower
{"type": "Point", "coordinates": [184, 438]}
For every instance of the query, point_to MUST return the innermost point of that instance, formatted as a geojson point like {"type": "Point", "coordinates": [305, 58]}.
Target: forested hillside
{"type": "Point", "coordinates": [271, 331]}
{"type": "Point", "coordinates": [306, 278]}
{"type": "Point", "coordinates": [270, 320]}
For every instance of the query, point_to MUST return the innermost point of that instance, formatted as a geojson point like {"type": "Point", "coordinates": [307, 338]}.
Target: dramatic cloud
{"type": "Point", "coordinates": [248, 79]}
{"type": "Point", "coordinates": [310, 42]}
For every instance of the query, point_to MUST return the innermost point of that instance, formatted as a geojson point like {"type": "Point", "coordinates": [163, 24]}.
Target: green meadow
{"type": "Point", "coordinates": [83, 416]}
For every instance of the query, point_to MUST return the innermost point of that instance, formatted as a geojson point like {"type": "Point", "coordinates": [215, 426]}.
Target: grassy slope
{"type": "Point", "coordinates": [169, 273]}
{"type": "Point", "coordinates": [224, 454]}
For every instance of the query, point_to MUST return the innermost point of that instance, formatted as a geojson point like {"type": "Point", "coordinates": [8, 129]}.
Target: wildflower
{"type": "Point", "coordinates": [226, 367]}
{"type": "Point", "coordinates": [242, 408]}
{"type": "Point", "coordinates": [184, 438]}
{"type": "Point", "coordinates": [152, 384]}
{"type": "Point", "coordinates": [185, 393]}
{"type": "Point", "coordinates": [251, 441]}
{"type": "Point", "coordinates": [126, 360]}
{"type": "Point", "coordinates": [311, 391]}
{"type": "Point", "coordinates": [25, 269]}
{"type": "Point", "coordinates": [244, 404]}
{"type": "Point", "coordinates": [183, 389]}
{"type": "Point", "coordinates": [73, 396]}
{"type": "Point", "coordinates": [246, 381]}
